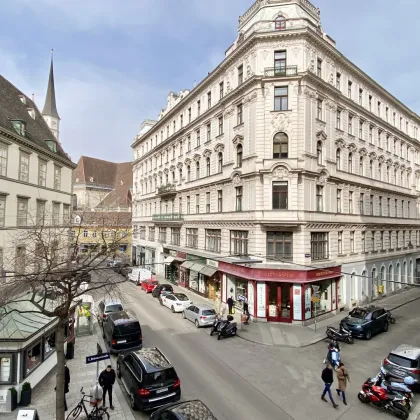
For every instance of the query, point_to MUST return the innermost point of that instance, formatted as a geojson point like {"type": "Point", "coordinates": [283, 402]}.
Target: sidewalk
{"type": "Point", "coordinates": [287, 335]}
{"type": "Point", "coordinates": [82, 375]}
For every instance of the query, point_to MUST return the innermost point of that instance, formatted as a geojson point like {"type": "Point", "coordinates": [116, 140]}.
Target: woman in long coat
{"type": "Point", "coordinates": [343, 378]}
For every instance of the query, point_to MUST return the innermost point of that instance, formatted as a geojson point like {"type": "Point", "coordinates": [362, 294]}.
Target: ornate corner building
{"type": "Point", "coordinates": [286, 167]}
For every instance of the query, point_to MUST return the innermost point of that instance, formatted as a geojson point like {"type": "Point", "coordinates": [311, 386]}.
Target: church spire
{"type": "Point", "coordinates": [50, 106]}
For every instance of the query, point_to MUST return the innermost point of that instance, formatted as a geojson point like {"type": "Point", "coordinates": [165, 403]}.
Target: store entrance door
{"type": "Point", "coordinates": [278, 302]}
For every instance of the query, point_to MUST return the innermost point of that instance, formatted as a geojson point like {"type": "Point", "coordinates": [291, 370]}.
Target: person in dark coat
{"type": "Point", "coordinates": [328, 378]}
{"type": "Point", "coordinates": [66, 384]}
{"type": "Point", "coordinates": [106, 381]}
{"type": "Point", "coordinates": [230, 303]}
{"type": "Point", "coordinates": [246, 310]}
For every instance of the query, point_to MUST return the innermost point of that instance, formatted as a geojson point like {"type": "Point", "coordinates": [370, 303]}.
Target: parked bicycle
{"type": "Point", "coordinates": [98, 413]}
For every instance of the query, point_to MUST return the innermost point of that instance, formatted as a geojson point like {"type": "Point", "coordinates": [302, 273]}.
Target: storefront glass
{"type": "Point", "coordinates": [5, 368]}
{"type": "Point", "coordinates": [193, 280]}
{"type": "Point", "coordinates": [201, 284]}
{"type": "Point", "coordinates": [236, 286]}
{"type": "Point", "coordinates": [279, 304]}
{"type": "Point", "coordinates": [33, 358]}
{"type": "Point", "coordinates": [325, 296]}
{"type": "Point", "coordinates": [49, 345]}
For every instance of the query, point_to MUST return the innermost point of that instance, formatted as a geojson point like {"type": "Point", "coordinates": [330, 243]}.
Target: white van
{"type": "Point", "coordinates": [137, 275]}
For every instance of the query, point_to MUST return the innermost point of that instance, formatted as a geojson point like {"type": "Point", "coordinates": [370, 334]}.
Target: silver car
{"type": "Point", "coordinates": [402, 362]}
{"type": "Point", "coordinates": [202, 315]}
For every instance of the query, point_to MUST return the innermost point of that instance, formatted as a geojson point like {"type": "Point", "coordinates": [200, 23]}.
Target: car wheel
{"type": "Point", "coordinates": [386, 326]}
{"type": "Point", "coordinates": [368, 334]}
{"type": "Point", "coordinates": [172, 309]}
{"type": "Point", "coordinates": [118, 371]}
{"type": "Point", "coordinates": [133, 404]}
{"type": "Point", "coordinates": [197, 324]}
{"type": "Point", "coordinates": [183, 315]}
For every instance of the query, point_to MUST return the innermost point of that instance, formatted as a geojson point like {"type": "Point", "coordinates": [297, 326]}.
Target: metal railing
{"type": "Point", "coordinates": [280, 72]}
{"type": "Point", "coordinates": [167, 189]}
{"type": "Point", "coordinates": [169, 217]}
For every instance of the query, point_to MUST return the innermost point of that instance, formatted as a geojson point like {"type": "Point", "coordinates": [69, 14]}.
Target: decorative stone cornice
{"type": "Point", "coordinates": [187, 161]}
{"type": "Point", "coordinates": [219, 147]}
{"type": "Point", "coordinates": [321, 135]}
{"type": "Point", "coordinates": [207, 153]}
{"type": "Point", "coordinates": [197, 157]}
{"type": "Point", "coordinates": [179, 165]}
{"type": "Point", "coordinates": [238, 139]}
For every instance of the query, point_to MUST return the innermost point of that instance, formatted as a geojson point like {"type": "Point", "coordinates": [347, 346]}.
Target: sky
{"type": "Point", "coordinates": [115, 61]}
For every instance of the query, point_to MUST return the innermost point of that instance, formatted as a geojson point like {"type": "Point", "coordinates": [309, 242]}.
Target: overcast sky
{"type": "Point", "coordinates": [116, 60]}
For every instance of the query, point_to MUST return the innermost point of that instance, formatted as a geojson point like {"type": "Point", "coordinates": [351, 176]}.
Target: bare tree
{"type": "Point", "coordinates": [40, 268]}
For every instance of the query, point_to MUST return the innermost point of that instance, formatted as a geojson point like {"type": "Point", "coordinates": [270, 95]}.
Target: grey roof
{"type": "Point", "coordinates": [50, 106]}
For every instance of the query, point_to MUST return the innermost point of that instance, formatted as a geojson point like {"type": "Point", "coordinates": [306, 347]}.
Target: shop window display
{"type": "Point", "coordinates": [32, 358]}
{"type": "Point", "coordinates": [6, 368]}
{"type": "Point", "coordinates": [49, 345]}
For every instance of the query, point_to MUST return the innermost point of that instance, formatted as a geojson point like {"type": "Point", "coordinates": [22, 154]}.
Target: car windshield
{"type": "Point", "coordinates": [160, 377]}
{"type": "Point", "coordinates": [127, 329]}
{"type": "Point", "coordinates": [209, 312]}
{"type": "Point", "coordinates": [181, 297]}
{"type": "Point", "coordinates": [358, 313]}
{"type": "Point", "coordinates": [114, 308]}
{"type": "Point", "coordinates": [402, 361]}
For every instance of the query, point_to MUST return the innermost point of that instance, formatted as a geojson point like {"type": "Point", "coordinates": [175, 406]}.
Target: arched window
{"type": "Point", "coordinates": [319, 152]}
{"type": "Point", "coordinates": [383, 276]}
{"type": "Point", "coordinates": [180, 174]}
{"type": "Point", "coordinates": [280, 23]}
{"type": "Point", "coordinates": [405, 274]}
{"type": "Point", "coordinates": [380, 171]}
{"type": "Point", "coordinates": [85, 233]}
{"type": "Point", "coordinates": [410, 273]}
{"type": "Point", "coordinates": [353, 287]}
{"type": "Point", "coordinates": [364, 281]}
{"type": "Point", "coordinates": [371, 173]}
{"type": "Point", "coordinates": [166, 179]}
{"type": "Point", "coordinates": [387, 174]}
{"type": "Point", "coordinates": [338, 158]}
{"type": "Point", "coordinates": [280, 146]}
{"type": "Point", "coordinates": [395, 176]}
{"type": "Point", "coordinates": [197, 170]}
{"type": "Point", "coordinates": [390, 284]}
{"type": "Point", "coordinates": [239, 156]}
{"type": "Point", "coordinates": [374, 282]}
{"type": "Point", "coordinates": [208, 166]}
{"type": "Point", "coordinates": [188, 173]}
{"type": "Point", "coordinates": [220, 162]}
{"type": "Point", "coordinates": [408, 181]}
{"type": "Point", "coordinates": [350, 162]}
{"type": "Point", "coordinates": [361, 166]}
{"type": "Point", "coordinates": [398, 276]}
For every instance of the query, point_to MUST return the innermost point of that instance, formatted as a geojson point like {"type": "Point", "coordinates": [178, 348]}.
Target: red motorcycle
{"type": "Point", "coordinates": [377, 396]}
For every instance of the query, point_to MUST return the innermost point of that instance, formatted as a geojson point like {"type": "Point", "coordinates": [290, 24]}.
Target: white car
{"type": "Point", "coordinates": [176, 302]}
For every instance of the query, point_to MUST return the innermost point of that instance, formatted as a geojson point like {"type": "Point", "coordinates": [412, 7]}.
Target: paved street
{"type": "Point", "coordinates": [242, 380]}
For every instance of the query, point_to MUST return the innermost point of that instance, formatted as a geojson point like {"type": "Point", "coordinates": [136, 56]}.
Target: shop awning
{"type": "Point", "coordinates": [197, 267]}
{"type": "Point", "coordinates": [187, 264]}
{"type": "Point", "coordinates": [168, 260]}
{"type": "Point", "coordinates": [208, 271]}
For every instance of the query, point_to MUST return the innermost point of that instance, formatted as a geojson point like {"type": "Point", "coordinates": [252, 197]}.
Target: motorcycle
{"type": "Point", "coordinates": [228, 329]}
{"type": "Point", "coordinates": [379, 397]}
{"type": "Point", "coordinates": [343, 334]}
{"type": "Point", "coordinates": [217, 324]}
{"type": "Point", "coordinates": [333, 355]}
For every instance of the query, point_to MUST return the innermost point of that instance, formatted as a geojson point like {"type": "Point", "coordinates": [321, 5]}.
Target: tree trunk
{"type": "Point", "coordinates": [59, 348]}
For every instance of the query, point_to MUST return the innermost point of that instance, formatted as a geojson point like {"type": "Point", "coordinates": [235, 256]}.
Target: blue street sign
{"type": "Point", "coordinates": [97, 358]}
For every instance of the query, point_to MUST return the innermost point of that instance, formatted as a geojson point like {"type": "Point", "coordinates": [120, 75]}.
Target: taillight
{"type": "Point", "coordinates": [105, 316]}
{"type": "Point", "coordinates": [386, 362]}
{"type": "Point", "coordinates": [113, 342]}
{"type": "Point", "coordinates": [141, 338]}
{"type": "Point", "coordinates": [203, 317]}
{"type": "Point", "coordinates": [416, 371]}
{"type": "Point", "coordinates": [177, 383]}
{"type": "Point", "coordinates": [143, 392]}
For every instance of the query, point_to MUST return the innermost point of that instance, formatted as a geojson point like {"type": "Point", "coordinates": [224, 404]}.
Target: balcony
{"type": "Point", "coordinates": [168, 218]}
{"type": "Point", "coordinates": [281, 72]}
{"type": "Point", "coordinates": [166, 190]}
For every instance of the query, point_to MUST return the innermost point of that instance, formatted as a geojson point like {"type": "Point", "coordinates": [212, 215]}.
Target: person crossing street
{"type": "Point", "coordinates": [106, 381]}
{"type": "Point", "coordinates": [328, 378]}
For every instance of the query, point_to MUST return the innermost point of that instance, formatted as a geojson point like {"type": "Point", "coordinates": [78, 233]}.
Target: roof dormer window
{"type": "Point", "coordinates": [23, 99]}
{"type": "Point", "coordinates": [19, 126]}
{"type": "Point", "coordinates": [52, 144]}
{"type": "Point", "coordinates": [280, 23]}
{"type": "Point", "coordinates": [31, 112]}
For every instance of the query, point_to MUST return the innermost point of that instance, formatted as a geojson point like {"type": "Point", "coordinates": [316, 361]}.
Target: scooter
{"type": "Point", "coordinates": [333, 355]}
{"type": "Point", "coordinates": [217, 324]}
{"type": "Point", "coordinates": [343, 334]}
{"type": "Point", "coordinates": [228, 329]}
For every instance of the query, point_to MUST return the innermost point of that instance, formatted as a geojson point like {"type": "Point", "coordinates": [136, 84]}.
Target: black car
{"type": "Point", "coordinates": [149, 378]}
{"type": "Point", "coordinates": [162, 289]}
{"type": "Point", "coordinates": [364, 322]}
{"type": "Point", "coordinates": [122, 332]}
{"type": "Point", "coordinates": [120, 266]}
{"type": "Point", "coordinates": [195, 409]}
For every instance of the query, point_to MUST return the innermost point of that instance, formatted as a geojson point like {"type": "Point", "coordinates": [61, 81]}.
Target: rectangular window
{"type": "Point", "coordinates": [174, 127]}
{"type": "Point", "coordinates": [2, 212]}
{"type": "Point", "coordinates": [3, 159]}
{"type": "Point", "coordinates": [382, 240]}
{"type": "Point", "coordinates": [175, 236]}
{"type": "Point", "coordinates": [207, 202]}
{"type": "Point", "coordinates": [350, 125]}
{"type": "Point", "coordinates": [188, 147]}
{"type": "Point", "coordinates": [189, 115]}
{"type": "Point", "coordinates": [181, 121]}
{"type": "Point", "coordinates": [239, 114]}
{"type": "Point", "coordinates": [363, 241]}
{"type": "Point", "coordinates": [349, 88]}
{"type": "Point", "coordinates": [338, 81]}
{"type": "Point", "coordinates": [167, 132]}
{"type": "Point", "coordinates": [32, 358]}
{"type": "Point", "coordinates": [362, 203]}
{"type": "Point", "coordinates": [180, 205]}
{"type": "Point", "coordinates": [371, 205]}
{"type": "Point", "coordinates": [386, 113]}
{"type": "Point", "coordinates": [192, 237]}
{"type": "Point", "coordinates": [220, 126]}
{"type": "Point", "coordinates": [279, 63]}
{"type": "Point", "coordinates": [209, 100]}
{"type": "Point", "coordinates": [42, 173]}
{"type": "Point", "coordinates": [197, 203]}
{"type": "Point", "coordinates": [360, 96]}
{"type": "Point", "coordinates": [40, 212]}
{"type": "Point", "coordinates": [22, 212]}
{"type": "Point", "coordinates": [338, 120]}
{"type": "Point", "coordinates": [361, 129]}
{"type": "Point", "coordinates": [388, 207]}
{"type": "Point", "coordinates": [213, 240]}
{"type": "Point", "coordinates": [188, 205]}
{"type": "Point", "coordinates": [279, 246]}
{"type": "Point", "coordinates": [221, 89]}
{"type": "Point", "coordinates": [238, 198]}
{"type": "Point", "coordinates": [152, 233]}
{"type": "Point", "coordinates": [352, 241]}
{"type": "Point", "coordinates": [380, 206]}
{"type": "Point", "coordinates": [370, 103]}
{"type": "Point", "coordinates": [281, 98]}
{"type": "Point", "coordinates": [57, 177]}
{"type": "Point", "coordinates": [181, 148]}
{"type": "Point", "coordinates": [370, 134]}
{"type": "Point", "coordinates": [351, 209]}
{"type": "Point", "coordinates": [379, 108]}
{"type": "Point", "coordinates": [208, 131]}
{"type": "Point", "coordinates": [24, 167]}
{"type": "Point", "coordinates": [319, 67]}
{"type": "Point", "coordinates": [319, 198]}
{"type": "Point", "coordinates": [372, 241]}
{"type": "Point", "coordinates": [162, 235]}
{"type": "Point", "coordinates": [319, 109]}
{"type": "Point", "coordinates": [394, 115]}
{"type": "Point", "coordinates": [339, 201]}
{"type": "Point", "coordinates": [198, 138]}
{"type": "Point", "coordinates": [340, 242]}
{"type": "Point", "coordinates": [56, 214]}
{"type": "Point", "coordinates": [240, 74]}
{"type": "Point", "coordinates": [280, 195]}
{"type": "Point", "coordinates": [319, 246]}
{"type": "Point", "coordinates": [219, 201]}
{"type": "Point", "coordinates": [238, 242]}
{"type": "Point", "coordinates": [198, 107]}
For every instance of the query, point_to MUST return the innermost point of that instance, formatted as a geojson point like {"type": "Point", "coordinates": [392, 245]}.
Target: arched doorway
{"type": "Point", "coordinates": [411, 275]}
{"type": "Point", "coordinates": [364, 281]}
{"type": "Point", "coordinates": [374, 283]}
{"type": "Point", "coordinates": [398, 277]}
{"type": "Point", "coordinates": [382, 280]}
{"type": "Point", "coordinates": [390, 284]}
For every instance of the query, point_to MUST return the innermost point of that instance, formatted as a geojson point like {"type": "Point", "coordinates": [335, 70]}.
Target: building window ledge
{"type": "Point", "coordinates": [397, 249]}
{"type": "Point", "coordinates": [374, 252]}
{"type": "Point", "coordinates": [281, 110]}
{"type": "Point", "coordinates": [321, 121]}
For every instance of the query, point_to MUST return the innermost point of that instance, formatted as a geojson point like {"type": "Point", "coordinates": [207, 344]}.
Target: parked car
{"type": "Point", "coordinates": [202, 315]}
{"type": "Point", "coordinates": [364, 322]}
{"type": "Point", "coordinates": [162, 289]}
{"type": "Point", "coordinates": [177, 302]}
{"type": "Point", "coordinates": [149, 378]}
{"type": "Point", "coordinates": [125, 271]}
{"type": "Point", "coordinates": [138, 274]}
{"type": "Point", "coordinates": [122, 332]}
{"type": "Point", "coordinates": [148, 285]}
{"type": "Point", "coordinates": [119, 266]}
{"type": "Point", "coordinates": [195, 409]}
{"type": "Point", "coordinates": [105, 307]}
{"type": "Point", "coordinates": [403, 361]}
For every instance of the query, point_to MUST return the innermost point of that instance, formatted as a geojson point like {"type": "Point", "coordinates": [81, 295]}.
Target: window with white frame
{"type": "Point", "coordinates": [213, 240]}
{"type": "Point", "coordinates": [24, 167]}
{"type": "Point", "coordinates": [3, 159]}
{"type": "Point", "coordinates": [238, 242]}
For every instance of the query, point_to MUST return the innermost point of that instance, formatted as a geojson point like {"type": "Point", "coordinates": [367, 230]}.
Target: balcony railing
{"type": "Point", "coordinates": [169, 217]}
{"type": "Point", "coordinates": [280, 72]}
{"type": "Point", "coordinates": [167, 189]}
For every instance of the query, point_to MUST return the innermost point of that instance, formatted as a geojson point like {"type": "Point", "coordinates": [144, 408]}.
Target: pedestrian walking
{"type": "Point", "coordinates": [246, 311]}
{"type": "Point", "coordinates": [343, 377]}
{"type": "Point", "coordinates": [230, 303]}
{"type": "Point", "coordinates": [328, 378]}
{"type": "Point", "coordinates": [106, 381]}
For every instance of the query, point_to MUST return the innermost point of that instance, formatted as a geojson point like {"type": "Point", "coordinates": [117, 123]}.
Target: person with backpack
{"type": "Point", "coordinates": [328, 378]}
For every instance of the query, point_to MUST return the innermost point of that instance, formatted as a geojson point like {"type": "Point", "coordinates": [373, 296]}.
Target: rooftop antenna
{"type": "Point", "coordinates": [33, 97]}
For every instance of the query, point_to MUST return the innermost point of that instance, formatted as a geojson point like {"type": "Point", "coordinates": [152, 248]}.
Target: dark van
{"type": "Point", "coordinates": [122, 332]}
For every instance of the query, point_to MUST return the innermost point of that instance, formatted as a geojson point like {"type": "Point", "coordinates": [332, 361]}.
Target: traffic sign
{"type": "Point", "coordinates": [315, 299]}
{"type": "Point", "coordinates": [97, 358]}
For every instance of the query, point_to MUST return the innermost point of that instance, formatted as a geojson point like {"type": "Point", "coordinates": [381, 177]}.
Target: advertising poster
{"type": "Point", "coordinates": [251, 298]}
{"type": "Point", "coordinates": [297, 302]}
{"type": "Point", "coordinates": [308, 312]}
{"type": "Point", "coordinates": [261, 302]}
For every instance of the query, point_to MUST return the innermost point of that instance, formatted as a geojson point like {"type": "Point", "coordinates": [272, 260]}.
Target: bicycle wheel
{"type": "Point", "coordinates": [99, 414]}
{"type": "Point", "coordinates": [75, 412]}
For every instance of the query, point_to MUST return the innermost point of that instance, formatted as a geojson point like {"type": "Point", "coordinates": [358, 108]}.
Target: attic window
{"type": "Point", "coordinates": [31, 112]}
{"type": "Point", "coordinates": [280, 23]}
{"type": "Point", "coordinates": [23, 99]}
{"type": "Point", "coordinates": [19, 126]}
{"type": "Point", "coordinates": [52, 144]}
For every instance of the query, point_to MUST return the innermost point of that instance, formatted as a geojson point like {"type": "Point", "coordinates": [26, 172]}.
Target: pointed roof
{"type": "Point", "coordinates": [50, 107]}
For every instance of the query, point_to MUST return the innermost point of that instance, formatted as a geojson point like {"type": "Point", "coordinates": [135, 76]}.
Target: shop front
{"type": "Point", "coordinates": [172, 266]}
{"type": "Point", "coordinates": [149, 259]}
{"type": "Point", "coordinates": [282, 295]}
